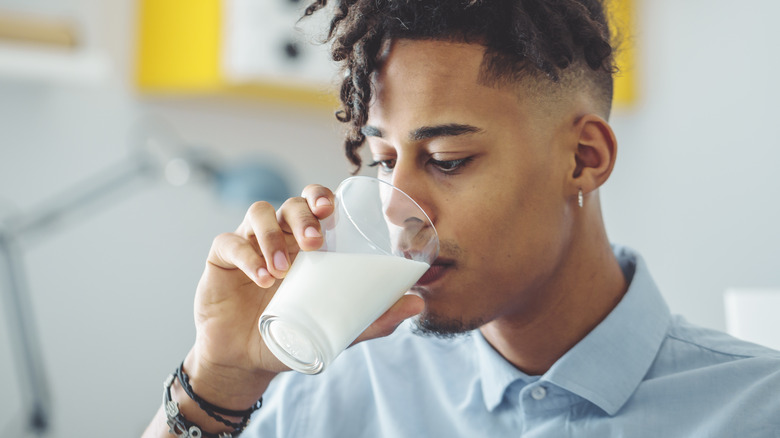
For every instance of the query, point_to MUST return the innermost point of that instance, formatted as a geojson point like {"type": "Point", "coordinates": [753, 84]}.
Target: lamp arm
{"type": "Point", "coordinates": [24, 337]}
{"type": "Point", "coordinates": [88, 192]}
{"type": "Point", "coordinates": [19, 311]}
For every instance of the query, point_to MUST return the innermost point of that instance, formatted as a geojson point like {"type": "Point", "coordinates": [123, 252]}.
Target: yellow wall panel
{"type": "Point", "coordinates": [622, 15]}
{"type": "Point", "coordinates": [180, 48]}
{"type": "Point", "coordinates": [179, 45]}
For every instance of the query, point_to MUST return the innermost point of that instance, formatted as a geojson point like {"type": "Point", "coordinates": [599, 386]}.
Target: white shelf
{"type": "Point", "coordinates": [52, 65]}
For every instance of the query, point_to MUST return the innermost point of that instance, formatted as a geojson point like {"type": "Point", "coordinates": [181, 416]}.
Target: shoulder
{"type": "Point", "coordinates": [714, 344]}
{"type": "Point", "coordinates": [711, 384]}
{"type": "Point", "coordinates": [702, 357]}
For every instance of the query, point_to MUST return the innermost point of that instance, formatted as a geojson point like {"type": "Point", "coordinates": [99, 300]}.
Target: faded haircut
{"type": "Point", "coordinates": [553, 46]}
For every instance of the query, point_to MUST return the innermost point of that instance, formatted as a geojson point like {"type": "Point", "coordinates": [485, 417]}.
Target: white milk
{"type": "Point", "coordinates": [335, 296]}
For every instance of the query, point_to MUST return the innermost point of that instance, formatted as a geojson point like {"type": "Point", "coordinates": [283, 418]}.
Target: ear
{"type": "Point", "coordinates": [595, 155]}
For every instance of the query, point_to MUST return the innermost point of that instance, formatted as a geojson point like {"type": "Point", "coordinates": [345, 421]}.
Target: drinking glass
{"type": "Point", "coordinates": [378, 243]}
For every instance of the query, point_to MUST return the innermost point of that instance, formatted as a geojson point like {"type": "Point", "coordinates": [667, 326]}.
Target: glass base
{"type": "Point", "coordinates": [292, 344]}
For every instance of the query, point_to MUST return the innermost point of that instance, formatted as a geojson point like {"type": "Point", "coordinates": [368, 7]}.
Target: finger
{"type": "Point", "coordinates": [320, 200]}
{"type": "Point", "coordinates": [406, 307]}
{"type": "Point", "coordinates": [296, 217]}
{"type": "Point", "coordinates": [244, 229]}
{"type": "Point", "coordinates": [263, 226]}
{"type": "Point", "coordinates": [230, 251]}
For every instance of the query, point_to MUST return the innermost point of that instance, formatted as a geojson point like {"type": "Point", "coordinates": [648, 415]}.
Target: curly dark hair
{"type": "Point", "coordinates": [560, 42]}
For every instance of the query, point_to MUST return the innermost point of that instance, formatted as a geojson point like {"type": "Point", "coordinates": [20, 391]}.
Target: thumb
{"type": "Point", "coordinates": [406, 307]}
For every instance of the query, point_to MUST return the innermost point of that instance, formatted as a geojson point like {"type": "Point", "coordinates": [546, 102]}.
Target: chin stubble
{"type": "Point", "coordinates": [443, 328]}
{"type": "Point", "coordinates": [432, 325]}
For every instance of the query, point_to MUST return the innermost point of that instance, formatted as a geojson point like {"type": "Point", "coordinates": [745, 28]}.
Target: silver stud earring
{"type": "Point", "coordinates": [579, 198]}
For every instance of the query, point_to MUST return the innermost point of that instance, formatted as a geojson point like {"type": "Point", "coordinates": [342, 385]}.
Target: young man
{"type": "Point", "coordinates": [492, 115]}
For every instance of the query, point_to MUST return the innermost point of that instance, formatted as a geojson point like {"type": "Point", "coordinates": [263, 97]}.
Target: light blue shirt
{"type": "Point", "coordinates": [640, 373]}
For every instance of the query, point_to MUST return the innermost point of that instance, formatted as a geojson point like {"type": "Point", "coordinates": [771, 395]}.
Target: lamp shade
{"type": "Point", "coordinates": [243, 183]}
{"type": "Point", "coordinates": [754, 315]}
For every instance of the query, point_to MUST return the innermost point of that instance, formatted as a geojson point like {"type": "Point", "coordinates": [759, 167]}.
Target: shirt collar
{"type": "Point", "coordinates": [607, 365]}
{"type": "Point", "coordinates": [496, 372]}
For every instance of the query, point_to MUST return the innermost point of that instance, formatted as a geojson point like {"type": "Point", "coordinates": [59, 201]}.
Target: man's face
{"type": "Point", "coordinates": [489, 168]}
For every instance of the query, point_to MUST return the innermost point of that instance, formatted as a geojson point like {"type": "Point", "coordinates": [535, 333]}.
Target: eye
{"type": "Point", "coordinates": [450, 166]}
{"type": "Point", "coordinates": [384, 165]}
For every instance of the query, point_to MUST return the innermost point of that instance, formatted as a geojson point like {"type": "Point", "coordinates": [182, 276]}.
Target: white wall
{"type": "Point", "coordinates": [693, 190]}
{"type": "Point", "coordinates": [695, 187]}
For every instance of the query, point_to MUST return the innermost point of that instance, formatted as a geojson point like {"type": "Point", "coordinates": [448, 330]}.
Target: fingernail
{"type": "Point", "coordinates": [262, 273]}
{"type": "Point", "coordinates": [311, 232]}
{"type": "Point", "coordinates": [280, 261]}
{"type": "Point", "coordinates": [322, 201]}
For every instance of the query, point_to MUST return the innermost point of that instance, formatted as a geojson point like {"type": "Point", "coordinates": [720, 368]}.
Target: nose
{"type": "Point", "coordinates": [412, 235]}
{"type": "Point", "coordinates": [412, 232]}
{"type": "Point", "coordinates": [400, 208]}
{"type": "Point", "coordinates": [407, 178]}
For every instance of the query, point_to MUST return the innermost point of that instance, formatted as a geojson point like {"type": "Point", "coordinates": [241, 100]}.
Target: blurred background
{"type": "Point", "coordinates": [134, 131]}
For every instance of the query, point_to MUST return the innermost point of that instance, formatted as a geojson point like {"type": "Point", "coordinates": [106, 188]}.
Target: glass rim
{"type": "Point", "coordinates": [354, 178]}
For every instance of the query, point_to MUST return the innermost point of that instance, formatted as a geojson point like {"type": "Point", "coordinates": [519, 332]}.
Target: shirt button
{"type": "Point", "coordinates": [538, 393]}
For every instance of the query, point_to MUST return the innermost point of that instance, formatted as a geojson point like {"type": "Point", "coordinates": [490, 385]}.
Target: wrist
{"type": "Point", "coordinates": [192, 414]}
{"type": "Point", "coordinates": [230, 387]}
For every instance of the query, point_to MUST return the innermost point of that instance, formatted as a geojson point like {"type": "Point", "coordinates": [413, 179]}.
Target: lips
{"type": "Point", "coordinates": [435, 272]}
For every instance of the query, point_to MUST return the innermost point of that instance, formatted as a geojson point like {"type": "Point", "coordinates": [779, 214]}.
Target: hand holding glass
{"type": "Point", "coordinates": [378, 243]}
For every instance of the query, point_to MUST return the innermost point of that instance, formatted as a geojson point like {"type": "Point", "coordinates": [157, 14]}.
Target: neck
{"type": "Point", "coordinates": [584, 289]}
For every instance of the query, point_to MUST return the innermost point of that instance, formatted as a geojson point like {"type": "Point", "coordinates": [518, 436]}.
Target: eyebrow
{"type": "Point", "coordinates": [371, 131]}
{"type": "Point", "coordinates": [426, 132]}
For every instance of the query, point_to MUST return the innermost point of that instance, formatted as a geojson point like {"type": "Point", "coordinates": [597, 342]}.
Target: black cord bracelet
{"type": "Point", "coordinates": [185, 382]}
{"type": "Point", "coordinates": [177, 424]}
{"type": "Point", "coordinates": [215, 411]}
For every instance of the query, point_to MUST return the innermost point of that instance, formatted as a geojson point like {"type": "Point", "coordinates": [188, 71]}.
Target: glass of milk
{"type": "Point", "coordinates": [378, 243]}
